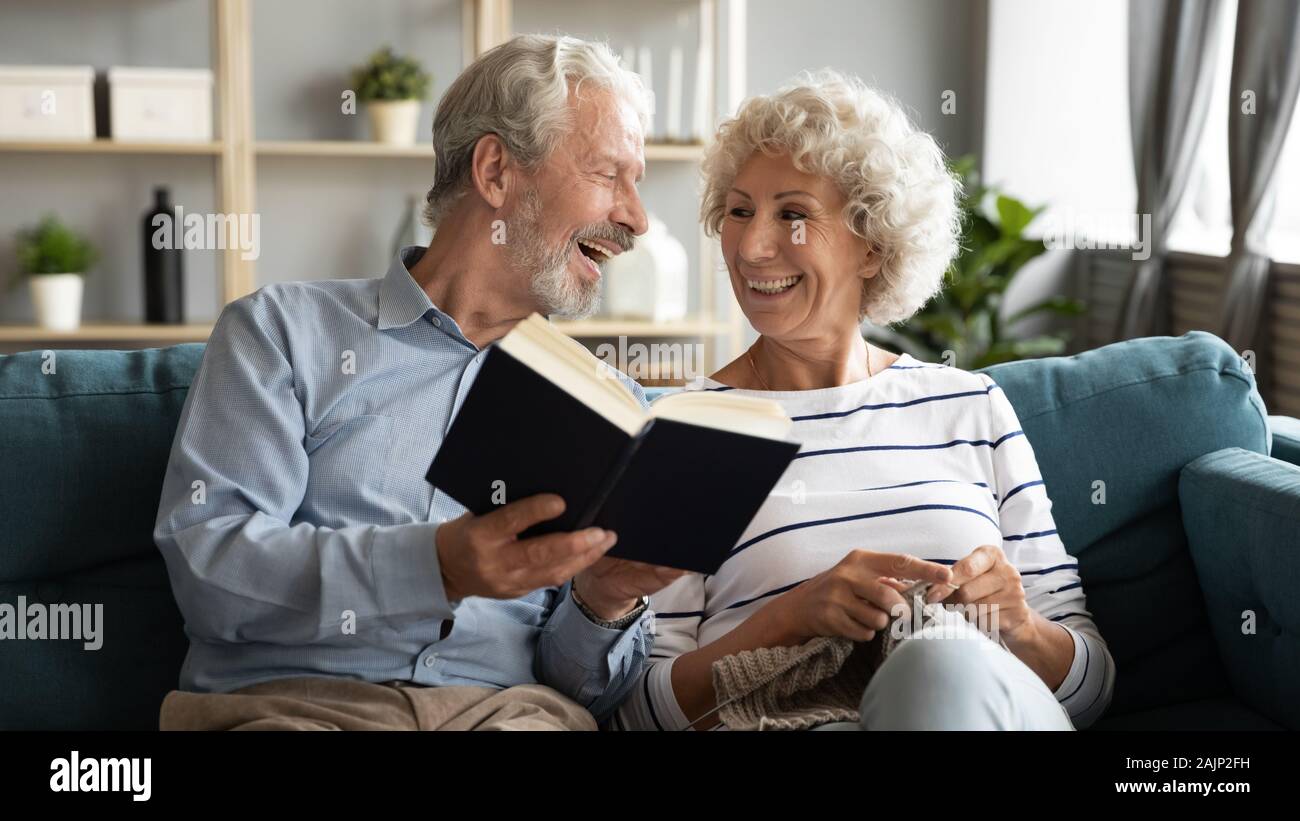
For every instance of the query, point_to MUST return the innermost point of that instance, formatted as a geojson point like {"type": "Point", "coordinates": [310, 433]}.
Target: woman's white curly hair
{"type": "Point", "coordinates": [902, 200]}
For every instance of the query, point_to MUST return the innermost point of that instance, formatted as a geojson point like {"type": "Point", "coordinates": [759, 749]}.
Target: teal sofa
{"type": "Point", "coordinates": [1200, 527]}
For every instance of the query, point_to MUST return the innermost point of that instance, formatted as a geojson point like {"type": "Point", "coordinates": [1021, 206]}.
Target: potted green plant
{"type": "Point", "coordinates": [391, 87]}
{"type": "Point", "coordinates": [53, 259]}
{"type": "Point", "coordinates": [966, 316]}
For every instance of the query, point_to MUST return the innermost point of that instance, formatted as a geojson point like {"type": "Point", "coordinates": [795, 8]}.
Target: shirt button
{"type": "Point", "coordinates": [437, 322]}
{"type": "Point", "coordinates": [430, 659]}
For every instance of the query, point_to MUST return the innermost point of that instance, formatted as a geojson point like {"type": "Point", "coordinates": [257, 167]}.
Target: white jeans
{"type": "Point", "coordinates": [946, 679]}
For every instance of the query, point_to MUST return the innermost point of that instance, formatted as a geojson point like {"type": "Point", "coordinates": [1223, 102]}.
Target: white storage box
{"type": "Point", "coordinates": [47, 103]}
{"type": "Point", "coordinates": [162, 104]}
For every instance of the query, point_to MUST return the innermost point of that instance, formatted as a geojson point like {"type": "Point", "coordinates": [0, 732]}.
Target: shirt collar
{"type": "Point", "coordinates": [401, 300]}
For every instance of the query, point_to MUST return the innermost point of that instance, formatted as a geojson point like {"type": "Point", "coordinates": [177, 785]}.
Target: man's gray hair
{"type": "Point", "coordinates": [519, 91]}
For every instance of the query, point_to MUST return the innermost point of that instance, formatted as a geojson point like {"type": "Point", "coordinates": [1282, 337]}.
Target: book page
{"type": "Point", "coordinates": [572, 368]}
{"type": "Point", "coordinates": [737, 414]}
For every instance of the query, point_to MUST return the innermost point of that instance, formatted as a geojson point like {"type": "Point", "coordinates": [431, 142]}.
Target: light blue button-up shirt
{"type": "Point", "coordinates": [297, 525]}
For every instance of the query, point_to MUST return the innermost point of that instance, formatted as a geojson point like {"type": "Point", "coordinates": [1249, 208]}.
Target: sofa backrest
{"type": "Point", "coordinates": [1112, 428]}
{"type": "Point", "coordinates": [84, 440]}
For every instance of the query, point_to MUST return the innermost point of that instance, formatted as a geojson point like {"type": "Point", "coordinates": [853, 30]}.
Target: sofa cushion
{"type": "Point", "coordinates": [1286, 438]}
{"type": "Point", "coordinates": [84, 452]}
{"type": "Point", "coordinates": [84, 441]}
{"type": "Point", "coordinates": [1224, 713]}
{"type": "Point", "coordinates": [61, 685]}
{"type": "Point", "coordinates": [1131, 415]}
{"type": "Point", "coordinates": [1242, 512]}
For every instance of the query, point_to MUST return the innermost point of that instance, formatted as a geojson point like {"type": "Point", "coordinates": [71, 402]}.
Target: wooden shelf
{"type": "Point", "coordinates": [642, 328]}
{"type": "Point", "coordinates": [669, 152]}
{"type": "Point", "coordinates": [674, 152]}
{"type": "Point", "coordinates": [339, 148]}
{"type": "Point", "coordinates": [107, 332]}
{"type": "Point", "coordinates": [110, 147]}
{"type": "Point", "coordinates": [132, 332]}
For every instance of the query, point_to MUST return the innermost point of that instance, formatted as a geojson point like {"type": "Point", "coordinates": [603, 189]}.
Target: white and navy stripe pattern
{"type": "Point", "coordinates": [921, 459]}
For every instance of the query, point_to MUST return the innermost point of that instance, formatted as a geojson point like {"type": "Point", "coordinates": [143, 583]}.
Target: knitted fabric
{"type": "Point", "coordinates": [798, 688]}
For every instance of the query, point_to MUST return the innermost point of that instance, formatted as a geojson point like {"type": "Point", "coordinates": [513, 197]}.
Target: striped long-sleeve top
{"type": "Point", "coordinates": [922, 459]}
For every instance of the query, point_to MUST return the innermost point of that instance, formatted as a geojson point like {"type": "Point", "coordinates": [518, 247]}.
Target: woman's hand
{"type": "Point", "coordinates": [853, 599]}
{"type": "Point", "coordinates": [987, 578]}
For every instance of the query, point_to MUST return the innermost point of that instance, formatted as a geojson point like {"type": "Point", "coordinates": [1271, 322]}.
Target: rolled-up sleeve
{"type": "Point", "coordinates": [593, 665]}
{"type": "Point", "coordinates": [241, 569]}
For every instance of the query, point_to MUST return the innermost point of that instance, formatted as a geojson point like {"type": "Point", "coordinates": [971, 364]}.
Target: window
{"type": "Point", "coordinates": [1203, 223]}
{"type": "Point", "coordinates": [1284, 234]}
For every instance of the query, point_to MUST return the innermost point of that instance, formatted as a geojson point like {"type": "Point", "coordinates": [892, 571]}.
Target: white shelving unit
{"type": "Point", "coordinates": [485, 23]}
{"type": "Point", "coordinates": [102, 146]}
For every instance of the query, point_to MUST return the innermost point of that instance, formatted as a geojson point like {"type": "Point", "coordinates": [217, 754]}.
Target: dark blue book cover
{"type": "Point", "coordinates": [677, 494]}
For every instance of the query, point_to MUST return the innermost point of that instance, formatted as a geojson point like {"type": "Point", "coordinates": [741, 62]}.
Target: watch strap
{"type": "Point", "coordinates": [621, 623]}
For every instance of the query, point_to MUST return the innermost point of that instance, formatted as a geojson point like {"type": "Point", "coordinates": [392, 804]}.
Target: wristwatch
{"type": "Point", "coordinates": [621, 623]}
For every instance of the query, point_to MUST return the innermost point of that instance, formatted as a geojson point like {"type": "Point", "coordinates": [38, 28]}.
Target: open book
{"type": "Point", "coordinates": [678, 483]}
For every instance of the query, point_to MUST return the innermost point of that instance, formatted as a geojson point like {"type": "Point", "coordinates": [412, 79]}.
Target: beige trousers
{"type": "Point", "coordinates": [322, 703]}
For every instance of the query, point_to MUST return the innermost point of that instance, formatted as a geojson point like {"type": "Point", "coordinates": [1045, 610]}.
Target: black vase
{"type": "Point", "coordinates": [164, 263]}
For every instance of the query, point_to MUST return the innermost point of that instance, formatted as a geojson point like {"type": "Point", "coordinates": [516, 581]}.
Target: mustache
{"type": "Point", "coordinates": [619, 236]}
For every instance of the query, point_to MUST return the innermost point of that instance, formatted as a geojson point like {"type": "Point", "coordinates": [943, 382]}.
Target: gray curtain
{"type": "Point", "coordinates": [1266, 62]}
{"type": "Point", "coordinates": [1172, 48]}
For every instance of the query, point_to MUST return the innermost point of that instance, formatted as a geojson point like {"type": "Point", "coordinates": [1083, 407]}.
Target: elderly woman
{"type": "Point", "coordinates": [832, 207]}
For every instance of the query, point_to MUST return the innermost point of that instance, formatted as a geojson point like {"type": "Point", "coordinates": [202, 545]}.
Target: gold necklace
{"type": "Point", "coordinates": [749, 355]}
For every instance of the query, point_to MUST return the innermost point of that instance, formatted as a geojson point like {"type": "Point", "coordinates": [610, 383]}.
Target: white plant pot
{"type": "Point", "coordinates": [394, 122]}
{"type": "Point", "coordinates": [57, 298]}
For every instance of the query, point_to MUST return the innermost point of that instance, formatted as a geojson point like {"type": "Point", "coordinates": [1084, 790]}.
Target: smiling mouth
{"type": "Point", "coordinates": [598, 254]}
{"type": "Point", "coordinates": [771, 287]}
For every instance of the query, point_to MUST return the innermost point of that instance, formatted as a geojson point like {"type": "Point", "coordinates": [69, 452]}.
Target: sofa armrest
{"type": "Point", "coordinates": [1241, 510]}
{"type": "Point", "coordinates": [1286, 438]}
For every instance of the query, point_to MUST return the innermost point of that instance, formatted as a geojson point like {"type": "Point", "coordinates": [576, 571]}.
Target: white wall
{"type": "Point", "coordinates": [913, 50]}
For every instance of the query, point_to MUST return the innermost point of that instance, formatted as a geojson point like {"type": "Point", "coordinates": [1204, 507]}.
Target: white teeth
{"type": "Point", "coordinates": [773, 286]}
{"type": "Point", "coordinates": [602, 253]}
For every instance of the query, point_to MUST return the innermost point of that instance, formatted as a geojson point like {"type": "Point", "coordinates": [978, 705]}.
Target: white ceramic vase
{"type": "Point", "coordinates": [648, 282]}
{"type": "Point", "coordinates": [394, 122]}
{"type": "Point", "coordinates": [57, 298]}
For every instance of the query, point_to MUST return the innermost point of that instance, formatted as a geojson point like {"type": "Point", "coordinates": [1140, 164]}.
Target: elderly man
{"type": "Point", "coordinates": [324, 583]}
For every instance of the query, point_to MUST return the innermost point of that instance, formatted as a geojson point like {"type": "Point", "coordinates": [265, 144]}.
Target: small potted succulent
{"type": "Point", "coordinates": [53, 259]}
{"type": "Point", "coordinates": [392, 88]}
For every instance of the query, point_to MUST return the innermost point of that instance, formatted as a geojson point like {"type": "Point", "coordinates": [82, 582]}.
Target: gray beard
{"type": "Point", "coordinates": [556, 290]}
